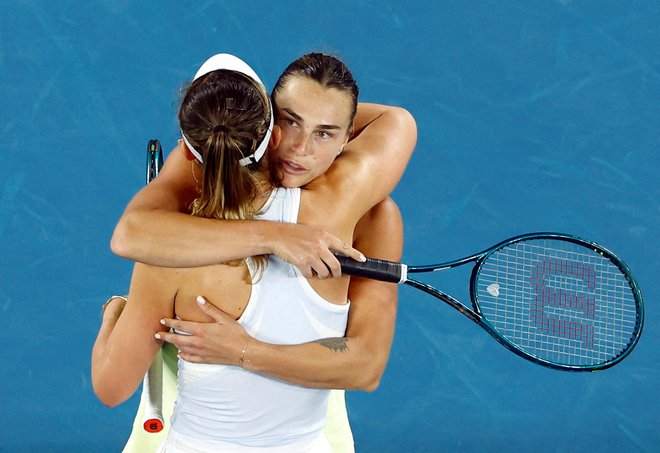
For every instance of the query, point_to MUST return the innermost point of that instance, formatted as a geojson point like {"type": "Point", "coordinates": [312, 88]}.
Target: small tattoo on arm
{"type": "Point", "coordinates": [334, 344]}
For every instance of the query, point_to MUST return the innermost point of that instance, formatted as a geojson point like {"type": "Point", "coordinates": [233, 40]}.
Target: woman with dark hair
{"type": "Point", "coordinates": [312, 136]}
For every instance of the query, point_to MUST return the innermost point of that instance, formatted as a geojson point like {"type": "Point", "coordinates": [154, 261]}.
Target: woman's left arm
{"type": "Point", "coordinates": [375, 158]}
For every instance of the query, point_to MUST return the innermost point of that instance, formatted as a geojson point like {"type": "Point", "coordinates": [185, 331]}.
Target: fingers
{"type": "Point", "coordinates": [331, 264]}
{"type": "Point", "coordinates": [185, 343]}
{"type": "Point", "coordinates": [208, 342]}
{"type": "Point", "coordinates": [344, 249]}
{"type": "Point", "coordinates": [211, 310]}
{"type": "Point", "coordinates": [306, 271]}
{"type": "Point", "coordinates": [191, 335]}
{"type": "Point", "coordinates": [321, 266]}
{"type": "Point", "coordinates": [310, 266]}
{"type": "Point", "coordinates": [178, 340]}
{"type": "Point", "coordinates": [327, 265]}
{"type": "Point", "coordinates": [310, 250]}
{"type": "Point", "coordinates": [183, 327]}
{"type": "Point", "coordinates": [189, 348]}
{"type": "Point", "coordinates": [190, 357]}
{"type": "Point", "coordinates": [353, 253]}
{"type": "Point", "coordinates": [320, 269]}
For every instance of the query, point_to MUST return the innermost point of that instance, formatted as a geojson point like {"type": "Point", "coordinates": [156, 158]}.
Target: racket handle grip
{"type": "Point", "coordinates": [385, 271]}
{"type": "Point", "coordinates": [152, 396]}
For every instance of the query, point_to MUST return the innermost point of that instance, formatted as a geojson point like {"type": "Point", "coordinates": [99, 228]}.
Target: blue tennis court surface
{"type": "Point", "coordinates": [532, 116]}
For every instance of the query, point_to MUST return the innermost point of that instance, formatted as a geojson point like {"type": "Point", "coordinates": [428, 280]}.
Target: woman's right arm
{"type": "Point", "coordinates": [156, 229]}
{"type": "Point", "coordinates": [125, 345]}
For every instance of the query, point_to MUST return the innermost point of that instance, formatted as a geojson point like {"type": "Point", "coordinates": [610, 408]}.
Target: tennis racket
{"type": "Point", "coordinates": [154, 159]}
{"type": "Point", "coordinates": [555, 299]}
{"type": "Point", "coordinates": [152, 397]}
{"type": "Point", "coordinates": [152, 384]}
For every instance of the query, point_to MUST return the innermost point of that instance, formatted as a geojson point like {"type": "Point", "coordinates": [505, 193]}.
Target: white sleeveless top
{"type": "Point", "coordinates": [227, 404]}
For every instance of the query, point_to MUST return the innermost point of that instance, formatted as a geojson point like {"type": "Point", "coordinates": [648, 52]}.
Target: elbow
{"type": "Point", "coordinates": [371, 385]}
{"type": "Point", "coordinates": [120, 243]}
{"type": "Point", "coordinates": [106, 395]}
{"type": "Point", "coordinates": [368, 363]}
{"type": "Point", "coordinates": [107, 400]}
{"type": "Point", "coordinates": [108, 388]}
{"type": "Point", "coordinates": [369, 379]}
{"type": "Point", "coordinates": [405, 123]}
{"type": "Point", "coordinates": [405, 117]}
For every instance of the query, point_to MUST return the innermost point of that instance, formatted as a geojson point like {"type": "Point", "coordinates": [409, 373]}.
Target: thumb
{"type": "Point", "coordinates": [210, 309]}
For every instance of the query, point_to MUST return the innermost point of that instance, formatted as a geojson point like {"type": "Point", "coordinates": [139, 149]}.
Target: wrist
{"type": "Point", "coordinates": [267, 235]}
{"type": "Point", "coordinates": [243, 360]}
{"type": "Point", "coordinates": [255, 354]}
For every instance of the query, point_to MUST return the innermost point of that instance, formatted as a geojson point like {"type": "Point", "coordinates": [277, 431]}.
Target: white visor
{"type": "Point", "coordinates": [230, 62]}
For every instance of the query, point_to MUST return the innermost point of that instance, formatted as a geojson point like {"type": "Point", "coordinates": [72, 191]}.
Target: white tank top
{"type": "Point", "coordinates": [230, 405]}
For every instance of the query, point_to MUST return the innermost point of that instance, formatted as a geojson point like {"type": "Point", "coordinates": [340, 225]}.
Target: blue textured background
{"type": "Point", "coordinates": [532, 116]}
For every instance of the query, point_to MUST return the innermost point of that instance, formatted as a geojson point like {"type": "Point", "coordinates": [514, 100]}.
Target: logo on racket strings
{"type": "Point", "coordinates": [493, 289]}
{"type": "Point", "coordinates": [561, 306]}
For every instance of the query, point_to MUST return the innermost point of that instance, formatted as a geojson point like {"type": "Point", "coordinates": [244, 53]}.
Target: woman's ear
{"type": "Point", "coordinates": [186, 151]}
{"type": "Point", "coordinates": [275, 137]}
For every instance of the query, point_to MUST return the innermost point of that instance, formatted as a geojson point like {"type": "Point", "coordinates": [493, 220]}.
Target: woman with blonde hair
{"type": "Point", "coordinates": [224, 123]}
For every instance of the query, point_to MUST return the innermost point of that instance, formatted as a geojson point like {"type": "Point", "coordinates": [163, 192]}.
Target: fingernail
{"type": "Point", "coordinates": [157, 336]}
{"type": "Point", "coordinates": [162, 321]}
{"type": "Point", "coordinates": [201, 300]}
{"type": "Point", "coordinates": [363, 258]}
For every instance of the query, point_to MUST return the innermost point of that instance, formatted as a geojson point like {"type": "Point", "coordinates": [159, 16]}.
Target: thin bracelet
{"type": "Point", "coordinates": [105, 305]}
{"type": "Point", "coordinates": [242, 360]}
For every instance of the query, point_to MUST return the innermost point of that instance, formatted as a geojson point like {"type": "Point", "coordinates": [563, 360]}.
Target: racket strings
{"type": "Point", "coordinates": [558, 301]}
